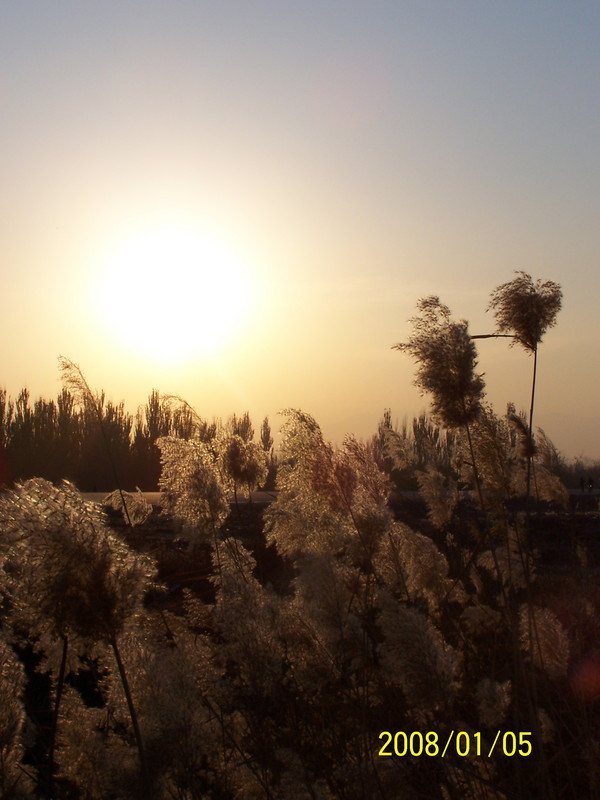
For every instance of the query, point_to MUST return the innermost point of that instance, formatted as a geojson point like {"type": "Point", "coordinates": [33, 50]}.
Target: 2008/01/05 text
{"type": "Point", "coordinates": [460, 742]}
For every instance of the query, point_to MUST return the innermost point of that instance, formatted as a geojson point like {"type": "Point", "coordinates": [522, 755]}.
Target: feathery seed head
{"type": "Point", "coordinates": [545, 639]}
{"type": "Point", "coordinates": [71, 576]}
{"type": "Point", "coordinates": [493, 699]}
{"type": "Point", "coordinates": [135, 507]}
{"type": "Point", "coordinates": [245, 462]}
{"type": "Point", "coordinates": [192, 486]}
{"type": "Point", "coordinates": [526, 309]}
{"type": "Point", "coordinates": [446, 358]}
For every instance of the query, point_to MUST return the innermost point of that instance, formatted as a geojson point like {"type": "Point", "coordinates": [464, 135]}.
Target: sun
{"type": "Point", "coordinates": [173, 293]}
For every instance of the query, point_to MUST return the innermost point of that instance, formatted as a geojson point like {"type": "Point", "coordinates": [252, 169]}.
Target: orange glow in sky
{"type": "Point", "coordinates": [241, 203]}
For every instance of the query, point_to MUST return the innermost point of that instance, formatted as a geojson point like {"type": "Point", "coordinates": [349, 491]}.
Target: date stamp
{"type": "Point", "coordinates": [461, 743]}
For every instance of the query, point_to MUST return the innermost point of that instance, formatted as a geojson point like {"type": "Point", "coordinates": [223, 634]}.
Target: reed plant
{"type": "Point", "coordinates": [524, 311]}
{"type": "Point", "coordinates": [441, 629]}
{"type": "Point", "coordinates": [500, 455]}
{"type": "Point", "coordinates": [71, 584]}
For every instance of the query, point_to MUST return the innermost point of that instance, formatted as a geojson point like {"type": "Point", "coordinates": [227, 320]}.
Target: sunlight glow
{"type": "Point", "coordinates": [173, 293]}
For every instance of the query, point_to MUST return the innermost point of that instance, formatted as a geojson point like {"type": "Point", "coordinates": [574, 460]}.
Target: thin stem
{"type": "Point", "coordinates": [246, 759]}
{"type": "Point", "coordinates": [113, 466]}
{"type": "Point", "coordinates": [134, 718]}
{"type": "Point", "coordinates": [474, 464]}
{"type": "Point", "coordinates": [494, 336]}
{"type": "Point", "coordinates": [59, 690]}
{"type": "Point", "coordinates": [74, 377]}
{"type": "Point", "coordinates": [530, 448]}
{"type": "Point", "coordinates": [235, 497]}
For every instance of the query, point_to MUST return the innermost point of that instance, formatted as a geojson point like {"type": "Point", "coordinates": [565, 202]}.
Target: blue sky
{"type": "Point", "coordinates": [357, 156]}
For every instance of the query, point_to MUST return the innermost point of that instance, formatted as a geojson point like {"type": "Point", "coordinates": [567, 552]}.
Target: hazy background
{"type": "Point", "coordinates": [357, 156]}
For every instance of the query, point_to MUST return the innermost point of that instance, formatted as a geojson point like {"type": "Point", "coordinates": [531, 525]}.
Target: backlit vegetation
{"type": "Point", "coordinates": [277, 682]}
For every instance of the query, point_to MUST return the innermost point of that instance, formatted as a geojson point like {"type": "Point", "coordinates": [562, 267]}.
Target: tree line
{"type": "Point", "coordinates": [87, 441]}
{"type": "Point", "coordinates": [61, 438]}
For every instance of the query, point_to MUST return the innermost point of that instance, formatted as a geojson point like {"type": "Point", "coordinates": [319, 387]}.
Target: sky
{"type": "Point", "coordinates": [242, 202]}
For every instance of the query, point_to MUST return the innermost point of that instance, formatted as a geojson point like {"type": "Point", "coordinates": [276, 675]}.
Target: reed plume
{"type": "Point", "coordinates": [526, 309]}
{"type": "Point", "coordinates": [446, 359]}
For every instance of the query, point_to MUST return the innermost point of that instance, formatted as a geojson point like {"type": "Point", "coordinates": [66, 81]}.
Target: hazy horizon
{"type": "Point", "coordinates": [242, 203]}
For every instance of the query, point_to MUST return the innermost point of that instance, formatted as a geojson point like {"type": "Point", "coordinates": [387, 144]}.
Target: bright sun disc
{"type": "Point", "coordinates": [172, 293]}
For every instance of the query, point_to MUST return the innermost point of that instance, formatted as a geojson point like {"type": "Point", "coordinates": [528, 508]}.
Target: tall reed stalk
{"type": "Point", "coordinates": [445, 369]}
{"type": "Point", "coordinates": [74, 381]}
{"type": "Point", "coordinates": [524, 310]}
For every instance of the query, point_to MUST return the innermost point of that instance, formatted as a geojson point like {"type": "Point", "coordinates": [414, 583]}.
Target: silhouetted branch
{"type": "Point", "coordinates": [494, 336]}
